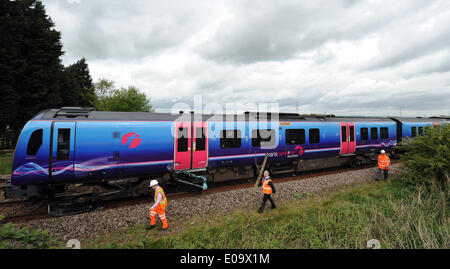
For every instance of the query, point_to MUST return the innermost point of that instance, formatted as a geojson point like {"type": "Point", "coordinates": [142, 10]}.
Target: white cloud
{"type": "Point", "coordinates": [341, 57]}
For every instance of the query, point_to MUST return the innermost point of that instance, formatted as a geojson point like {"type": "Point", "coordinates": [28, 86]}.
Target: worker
{"type": "Point", "coordinates": [267, 188]}
{"type": "Point", "coordinates": [383, 165]}
{"type": "Point", "coordinates": [158, 207]}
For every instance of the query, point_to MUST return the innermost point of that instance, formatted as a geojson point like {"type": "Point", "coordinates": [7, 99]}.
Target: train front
{"type": "Point", "coordinates": [30, 168]}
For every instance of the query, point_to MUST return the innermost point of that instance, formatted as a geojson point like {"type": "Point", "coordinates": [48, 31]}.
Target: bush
{"type": "Point", "coordinates": [12, 237]}
{"type": "Point", "coordinates": [427, 158]}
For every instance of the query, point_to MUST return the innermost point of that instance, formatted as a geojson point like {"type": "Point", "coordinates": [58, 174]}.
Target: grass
{"type": "Point", "coordinates": [12, 237]}
{"type": "Point", "coordinates": [6, 159]}
{"type": "Point", "coordinates": [391, 213]}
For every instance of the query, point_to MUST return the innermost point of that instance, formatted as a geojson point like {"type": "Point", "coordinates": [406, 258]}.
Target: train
{"type": "Point", "coordinates": [118, 152]}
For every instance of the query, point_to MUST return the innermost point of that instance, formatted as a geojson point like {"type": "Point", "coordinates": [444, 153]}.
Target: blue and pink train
{"type": "Point", "coordinates": [59, 147]}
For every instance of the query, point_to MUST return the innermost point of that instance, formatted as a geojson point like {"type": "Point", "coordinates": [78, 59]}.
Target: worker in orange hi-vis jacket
{"type": "Point", "coordinates": [267, 188]}
{"type": "Point", "coordinates": [383, 165]}
{"type": "Point", "coordinates": [158, 207]}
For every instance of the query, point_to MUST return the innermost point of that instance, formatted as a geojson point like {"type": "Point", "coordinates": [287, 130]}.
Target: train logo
{"type": "Point", "coordinates": [134, 137]}
{"type": "Point", "coordinates": [299, 149]}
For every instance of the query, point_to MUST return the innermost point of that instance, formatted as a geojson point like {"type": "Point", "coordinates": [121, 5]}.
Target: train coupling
{"type": "Point", "coordinates": [186, 181]}
{"type": "Point", "coordinates": [22, 191]}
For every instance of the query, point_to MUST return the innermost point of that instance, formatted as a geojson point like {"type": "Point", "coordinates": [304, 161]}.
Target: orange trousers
{"type": "Point", "coordinates": [160, 210]}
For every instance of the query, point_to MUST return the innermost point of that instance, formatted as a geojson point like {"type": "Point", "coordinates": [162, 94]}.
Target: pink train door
{"type": "Point", "coordinates": [191, 145]}
{"type": "Point", "coordinates": [182, 147]}
{"type": "Point", "coordinates": [200, 145]}
{"type": "Point", "coordinates": [348, 141]}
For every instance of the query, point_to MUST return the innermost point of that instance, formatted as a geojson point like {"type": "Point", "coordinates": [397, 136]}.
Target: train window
{"type": "Point", "coordinates": [344, 133]}
{"type": "Point", "coordinates": [364, 134]}
{"type": "Point", "coordinates": [413, 131]}
{"type": "Point", "coordinates": [265, 136]}
{"type": "Point", "coordinates": [384, 134]}
{"type": "Point", "coordinates": [352, 133]}
{"type": "Point", "coordinates": [374, 133]}
{"type": "Point", "coordinates": [63, 148]}
{"type": "Point", "coordinates": [183, 135]}
{"type": "Point", "coordinates": [314, 136]}
{"type": "Point", "coordinates": [200, 141]}
{"type": "Point", "coordinates": [230, 139]}
{"type": "Point", "coordinates": [421, 131]}
{"type": "Point", "coordinates": [35, 142]}
{"type": "Point", "coordinates": [295, 136]}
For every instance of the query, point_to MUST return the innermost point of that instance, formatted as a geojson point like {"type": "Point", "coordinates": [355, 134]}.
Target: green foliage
{"type": "Point", "coordinates": [12, 237]}
{"type": "Point", "coordinates": [77, 88]}
{"type": "Point", "coordinates": [31, 65]}
{"type": "Point", "coordinates": [302, 195]}
{"type": "Point", "coordinates": [123, 99]}
{"type": "Point", "coordinates": [427, 158]}
{"type": "Point", "coordinates": [6, 163]}
{"type": "Point", "coordinates": [32, 77]}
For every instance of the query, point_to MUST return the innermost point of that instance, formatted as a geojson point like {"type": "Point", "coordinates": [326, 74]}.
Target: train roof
{"type": "Point", "coordinates": [78, 113]}
{"type": "Point", "coordinates": [422, 119]}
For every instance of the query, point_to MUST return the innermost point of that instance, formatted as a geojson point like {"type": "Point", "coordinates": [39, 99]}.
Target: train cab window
{"type": "Point", "coordinates": [35, 142]}
{"type": "Point", "coordinates": [314, 136]}
{"type": "Point", "coordinates": [344, 133]}
{"type": "Point", "coordinates": [384, 134]}
{"type": "Point", "coordinates": [230, 139]}
{"type": "Point", "coordinates": [63, 147]}
{"type": "Point", "coordinates": [295, 136]}
{"type": "Point", "coordinates": [182, 139]}
{"type": "Point", "coordinates": [374, 133]}
{"type": "Point", "coordinates": [413, 131]}
{"type": "Point", "coordinates": [200, 140]}
{"type": "Point", "coordinates": [364, 134]}
{"type": "Point", "coordinates": [266, 136]}
{"type": "Point", "coordinates": [421, 131]}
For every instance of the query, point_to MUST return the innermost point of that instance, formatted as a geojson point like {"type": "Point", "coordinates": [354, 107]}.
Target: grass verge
{"type": "Point", "coordinates": [396, 215]}
{"type": "Point", "coordinates": [6, 159]}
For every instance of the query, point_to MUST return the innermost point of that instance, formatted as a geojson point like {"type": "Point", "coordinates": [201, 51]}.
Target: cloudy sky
{"type": "Point", "coordinates": [343, 57]}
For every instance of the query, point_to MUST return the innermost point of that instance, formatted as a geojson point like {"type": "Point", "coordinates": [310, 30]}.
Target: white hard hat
{"type": "Point", "coordinates": [382, 151]}
{"type": "Point", "coordinates": [153, 182]}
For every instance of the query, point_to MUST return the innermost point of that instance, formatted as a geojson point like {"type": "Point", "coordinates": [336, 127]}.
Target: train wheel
{"type": "Point", "coordinates": [353, 163]}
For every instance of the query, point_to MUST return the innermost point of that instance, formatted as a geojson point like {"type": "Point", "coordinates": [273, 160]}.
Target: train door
{"type": "Point", "coordinates": [182, 146]}
{"type": "Point", "coordinates": [63, 151]}
{"type": "Point", "coordinates": [191, 145]}
{"type": "Point", "coordinates": [348, 141]}
{"type": "Point", "coordinates": [200, 145]}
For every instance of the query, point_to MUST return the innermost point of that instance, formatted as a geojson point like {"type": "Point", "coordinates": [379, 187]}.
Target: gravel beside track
{"type": "Point", "coordinates": [92, 224]}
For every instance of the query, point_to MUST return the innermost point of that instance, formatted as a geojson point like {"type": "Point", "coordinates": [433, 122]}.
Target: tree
{"type": "Point", "coordinates": [123, 99]}
{"type": "Point", "coordinates": [427, 158]}
{"type": "Point", "coordinates": [103, 88]}
{"type": "Point", "coordinates": [32, 77]}
{"type": "Point", "coordinates": [77, 88]}
{"type": "Point", "coordinates": [30, 68]}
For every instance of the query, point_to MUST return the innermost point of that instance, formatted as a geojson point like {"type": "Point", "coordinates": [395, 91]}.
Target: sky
{"type": "Point", "coordinates": [370, 58]}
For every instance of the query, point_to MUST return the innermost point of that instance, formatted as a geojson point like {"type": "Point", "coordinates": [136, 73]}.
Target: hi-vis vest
{"type": "Point", "coordinates": [265, 186]}
{"type": "Point", "coordinates": [383, 161]}
{"type": "Point", "coordinates": [164, 199]}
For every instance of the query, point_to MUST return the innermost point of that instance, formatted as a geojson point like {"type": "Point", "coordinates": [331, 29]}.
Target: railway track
{"type": "Point", "coordinates": [40, 210]}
